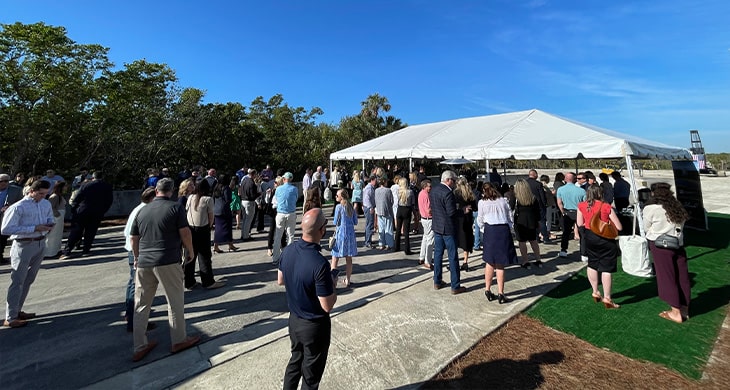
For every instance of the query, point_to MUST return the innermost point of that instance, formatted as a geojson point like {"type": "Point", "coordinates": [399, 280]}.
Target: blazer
{"type": "Point", "coordinates": [443, 210]}
{"type": "Point", "coordinates": [94, 198]}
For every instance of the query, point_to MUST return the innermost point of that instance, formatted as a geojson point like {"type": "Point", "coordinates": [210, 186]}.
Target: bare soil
{"type": "Point", "coordinates": [525, 354]}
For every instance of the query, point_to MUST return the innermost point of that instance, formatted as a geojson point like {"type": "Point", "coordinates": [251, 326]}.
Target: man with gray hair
{"type": "Point", "coordinates": [444, 225]}
{"type": "Point", "coordinates": [286, 196]}
{"type": "Point", "coordinates": [157, 234]}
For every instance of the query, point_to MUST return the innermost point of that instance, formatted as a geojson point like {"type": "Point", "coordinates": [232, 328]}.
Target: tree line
{"type": "Point", "coordinates": [64, 105]}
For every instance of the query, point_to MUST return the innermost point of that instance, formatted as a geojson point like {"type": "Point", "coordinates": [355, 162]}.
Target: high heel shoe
{"type": "Point", "coordinates": [465, 267]}
{"type": "Point", "coordinates": [502, 299]}
{"type": "Point", "coordinates": [597, 298]}
{"type": "Point", "coordinates": [489, 295]}
{"type": "Point", "coordinates": [610, 304]}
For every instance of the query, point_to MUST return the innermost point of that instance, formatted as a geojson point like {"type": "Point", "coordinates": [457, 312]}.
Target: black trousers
{"type": "Point", "coordinates": [568, 223]}
{"type": "Point", "coordinates": [310, 343]}
{"type": "Point", "coordinates": [403, 222]}
{"type": "Point", "coordinates": [3, 244]}
{"type": "Point", "coordinates": [86, 226]}
{"type": "Point", "coordinates": [201, 251]}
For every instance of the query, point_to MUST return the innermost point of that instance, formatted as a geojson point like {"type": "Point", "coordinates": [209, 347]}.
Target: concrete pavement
{"type": "Point", "coordinates": [391, 330]}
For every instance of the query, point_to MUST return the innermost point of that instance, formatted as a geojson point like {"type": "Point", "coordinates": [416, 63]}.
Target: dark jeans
{"type": "Point", "coordinates": [129, 302]}
{"type": "Point", "coordinates": [403, 221]}
{"type": "Point", "coordinates": [84, 226]}
{"type": "Point", "coordinates": [369, 226]}
{"type": "Point", "coordinates": [568, 223]}
{"type": "Point", "coordinates": [445, 243]}
{"type": "Point", "coordinates": [310, 343]}
{"type": "Point", "coordinates": [201, 251]}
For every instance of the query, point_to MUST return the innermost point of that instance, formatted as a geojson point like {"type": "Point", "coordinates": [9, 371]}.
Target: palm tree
{"type": "Point", "coordinates": [372, 106]}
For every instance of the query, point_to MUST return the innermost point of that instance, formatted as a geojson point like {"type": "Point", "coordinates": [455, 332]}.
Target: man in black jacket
{"type": "Point", "coordinates": [91, 203]}
{"type": "Point", "coordinates": [443, 211]}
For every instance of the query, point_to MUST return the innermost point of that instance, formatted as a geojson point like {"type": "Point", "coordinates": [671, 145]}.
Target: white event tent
{"type": "Point", "coordinates": [521, 135]}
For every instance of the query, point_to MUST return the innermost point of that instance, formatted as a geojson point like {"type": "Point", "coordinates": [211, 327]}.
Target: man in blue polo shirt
{"type": "Point", "coordinates": [569, 195]}
{"type": "Point", "coordinates": [310, 295]}
{"type": "Point", "coordinates": [286, 213]}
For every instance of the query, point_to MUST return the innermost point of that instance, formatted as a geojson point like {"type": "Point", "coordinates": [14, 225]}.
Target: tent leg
{"type": "Point", "coordinates": [486, 165]}
{"type": "Point", "coordinates": [576, 166]}
{"type": "Point", "coordinates": [635, 195]}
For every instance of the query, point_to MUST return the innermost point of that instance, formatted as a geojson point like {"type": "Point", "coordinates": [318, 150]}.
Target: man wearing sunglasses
{"type": "Point", "coordinates": [569, 195]}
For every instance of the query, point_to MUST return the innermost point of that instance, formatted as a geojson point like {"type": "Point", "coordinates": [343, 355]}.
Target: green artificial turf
{"type": "Point", "coordinates": [635, 330]}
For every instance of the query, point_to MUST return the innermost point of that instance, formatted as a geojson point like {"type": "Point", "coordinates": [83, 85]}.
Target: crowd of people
{"type": "Point", "coordinates": [175, 219]}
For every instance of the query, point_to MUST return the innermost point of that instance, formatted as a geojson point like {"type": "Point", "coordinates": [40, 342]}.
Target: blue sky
{"type": "Point", "coordinates": [654, 69]}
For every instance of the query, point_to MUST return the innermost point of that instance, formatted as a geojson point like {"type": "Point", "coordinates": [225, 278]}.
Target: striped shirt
{"type": "Point", "coordinates": [22, 217]}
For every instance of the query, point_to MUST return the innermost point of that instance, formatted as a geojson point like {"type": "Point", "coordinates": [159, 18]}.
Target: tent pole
{"type": "Point", "coordinates": [410, 164]}
{"type": "Point", "coordinates": [635, 194]}
{"type": "Point", "coordinates": [576, 166]}
{"type": "Point", "coordinates": [486, 165]}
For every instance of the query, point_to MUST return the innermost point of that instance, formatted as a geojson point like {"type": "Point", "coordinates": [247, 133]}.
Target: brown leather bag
{"type": "Point", "coordinates": [601, 228]}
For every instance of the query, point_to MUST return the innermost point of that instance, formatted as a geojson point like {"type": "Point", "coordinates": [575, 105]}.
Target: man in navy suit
{"type": "Point", "coordinates": [92, 202]}
{"type": "Point", "coordinates": [443, 211]}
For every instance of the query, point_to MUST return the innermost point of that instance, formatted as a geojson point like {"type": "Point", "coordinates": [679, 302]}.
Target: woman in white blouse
{"type": "Point", "coordinates": [200, 218]}
{"type": "Point", "coordinates": [665, 215]}
{"type": "Point", "coordinates": [495, 222]}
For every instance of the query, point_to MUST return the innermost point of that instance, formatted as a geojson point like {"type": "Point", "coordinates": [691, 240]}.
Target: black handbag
{"type": "Point", "coordinates": [667, 241]}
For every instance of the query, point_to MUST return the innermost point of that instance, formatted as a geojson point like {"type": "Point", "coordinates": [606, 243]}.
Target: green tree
{"type": "Point", "coordinates": [47, 82]}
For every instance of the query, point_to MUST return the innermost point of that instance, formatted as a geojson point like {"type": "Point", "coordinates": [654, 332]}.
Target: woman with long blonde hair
{"type": "Point", "coordinates": [465, 203]}
{"type": "Point", "coordinates": [345, 239]}
{"type": "Point", "coordinates": [527, 220]}
{"type": "Point", "coordinates": [357, 186]}
{"type": "Point", "coordinates": [406, 200]}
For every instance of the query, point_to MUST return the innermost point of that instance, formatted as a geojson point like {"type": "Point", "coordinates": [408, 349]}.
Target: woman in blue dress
{"type": "Point", "coordinates": [345, 240]}
{"type": "Point", "coordinates": [357, 185]}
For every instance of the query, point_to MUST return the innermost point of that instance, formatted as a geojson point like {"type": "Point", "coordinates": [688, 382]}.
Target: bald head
{"type": "Point", "coordinates": [532, 174]}
{"type": "Point", "coordinates": [312, 223]}
{"type": "Point", "coordinates": [570, 177]}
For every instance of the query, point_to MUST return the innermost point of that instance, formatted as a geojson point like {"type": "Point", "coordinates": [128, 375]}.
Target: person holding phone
{"type": "Point", "coordinates": [26, 222]}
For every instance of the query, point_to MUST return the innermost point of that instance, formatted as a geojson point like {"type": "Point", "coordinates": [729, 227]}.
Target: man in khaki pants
{"type": "Point", "coordinates": [158, 232]}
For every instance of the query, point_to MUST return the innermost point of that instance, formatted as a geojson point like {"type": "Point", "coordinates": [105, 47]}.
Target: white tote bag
{"type": "Point", "coordinates": [635, 258]}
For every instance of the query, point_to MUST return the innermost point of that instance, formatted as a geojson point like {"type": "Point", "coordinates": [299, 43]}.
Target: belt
{"type": "Point", "coordinates": [422, 217]}
{"type": "Point", "coordinates": [29, 239]}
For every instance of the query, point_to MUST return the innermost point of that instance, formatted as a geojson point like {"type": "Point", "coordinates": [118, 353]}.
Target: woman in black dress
{"type": "Point", "coordinates": [222, 197]}
{"type": "Point", "coordinates": [527, 221]}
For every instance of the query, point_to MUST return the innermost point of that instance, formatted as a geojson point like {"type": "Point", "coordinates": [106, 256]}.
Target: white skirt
{"type": "Point", "coordinates": [55, 236]}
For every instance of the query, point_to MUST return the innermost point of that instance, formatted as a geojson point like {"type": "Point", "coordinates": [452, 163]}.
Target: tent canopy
{"type": "Point", "coordinates": [522, 135]}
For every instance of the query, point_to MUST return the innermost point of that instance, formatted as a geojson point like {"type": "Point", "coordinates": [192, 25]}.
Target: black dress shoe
{"type": "Point", "coordinates": [503, 299]}
{"type": "Point", "coordinates": [465, 267]}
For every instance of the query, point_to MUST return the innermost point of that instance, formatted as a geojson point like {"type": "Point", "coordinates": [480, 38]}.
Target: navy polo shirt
{"type": "Point", "coordinates": [307, 276]}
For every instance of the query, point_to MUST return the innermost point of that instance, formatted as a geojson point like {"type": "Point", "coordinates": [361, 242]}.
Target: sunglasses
{"type": "Point", "coordinates": [323, 224]}
{"type": "Point", "coordinates": [581, 178]}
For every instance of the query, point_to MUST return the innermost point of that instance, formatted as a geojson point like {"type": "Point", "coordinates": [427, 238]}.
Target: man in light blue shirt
{"type": "Point", "coordinates": [569, 195]}
{"type": "Point", "coordinates": [26, 222]}
{"type": "Point", "coordinates": [286, 213]}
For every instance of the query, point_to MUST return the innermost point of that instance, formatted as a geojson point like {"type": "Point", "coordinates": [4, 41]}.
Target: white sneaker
{"type": "Point", "coordinates": [584, 259]}
{"type": "Point", "coordinates": [563, 254]}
